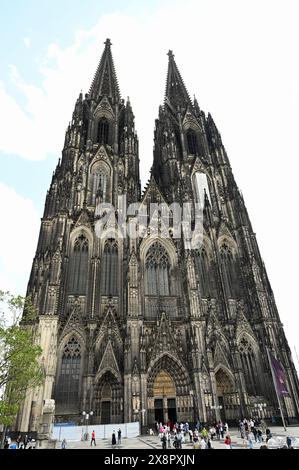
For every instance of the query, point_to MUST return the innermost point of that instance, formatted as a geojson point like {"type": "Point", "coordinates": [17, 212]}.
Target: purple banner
{"type": "Point", "coordinates": [279, 374]}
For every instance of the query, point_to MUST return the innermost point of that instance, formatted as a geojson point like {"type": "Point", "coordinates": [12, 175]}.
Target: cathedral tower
{"type": "Point", "coordinates": [146, 328]}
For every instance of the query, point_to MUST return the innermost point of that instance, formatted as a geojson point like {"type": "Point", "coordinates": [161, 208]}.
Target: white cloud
{"type": "Point", "coordinates": [27, 42]}
{"type": "Point", "coordinates": [18, 239]}
{"type": "Point", "coordinates": [238, 58]}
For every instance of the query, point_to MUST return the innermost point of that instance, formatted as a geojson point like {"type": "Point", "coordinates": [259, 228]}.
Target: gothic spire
{"type": "Point", "coordinates": [176, 93]}
{"type": "Point", "coordinates": [105, 80]}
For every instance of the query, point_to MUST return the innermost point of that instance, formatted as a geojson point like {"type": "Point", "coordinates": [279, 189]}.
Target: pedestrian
{"type": "Point", "coordinates": [113, 438]}
{"type": "Point", "coordinates": [63, 444]}
{"type": "Point", "coordinates": [25, 441]}
{"type": "Point", "coordinates": [93, 438]}
{"type": "Point", "coordinates": [212, 432]}
{"type": "Point", "coordinates": [119, 436]}
{"type": "Point", "coordinates": [203, 444]}
{"type": "Point", "coordinates": [289, 442]}
{"type": "Point", "coordinates": [250, 440]}
{"type": "Point", "coordinates": [260, 435]}
{"type": "Point", "coordinates": [18, 440]}
{"type": "Point", "coordinates": [196, 444]}
{"type": "Point", "coordinates": [164, 441]}
{"type": "Point", "coordinates": [228, 442]}
{"type": "Point", "coordinates": [254, 431]}
{"type": "Point", "coordinates": [179, 438]}
{"type": "Point", "coordinates": [268, 434]}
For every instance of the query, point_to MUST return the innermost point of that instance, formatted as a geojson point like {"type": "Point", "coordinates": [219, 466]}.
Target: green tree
{"type": "Point", "coordinates": [20, 369]}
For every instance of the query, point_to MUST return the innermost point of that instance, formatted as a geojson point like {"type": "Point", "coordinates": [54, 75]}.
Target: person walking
{"type": "Point", "coordinates": [254, 431]}
{"type": "Point", "coordinates": [268, 434]}
{"type": "Point", "coordinates": [18, 440]}
{"type": "Point", "coordinates": [228, 442]}
{"type": "Point", "coordinates": [63, 444]}
{"type": "Point", "coordinates": [119, 436]}
{"type": "Point", "coordinates": [250, 440]}
{"type": "Point", "coordinates": [164, 441]}
{"type": "Point", "coordinates": [25, 441]}
{"type": "Point", "coordinates": [113, 439]}
{"type": "Point", "coordinates": [93, 438]}
{"type": "Point", "coordinates": [203, 444]}
{"type": "Point", "coordinates": [179, 437]}
{"type": "Point", "coordinates": [289, 442]}
{"type": "Point", "coordinates": [260, 435]}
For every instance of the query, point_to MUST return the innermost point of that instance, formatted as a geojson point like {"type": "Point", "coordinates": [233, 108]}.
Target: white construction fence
{"type": "Point", "coordinates": [102, 431]}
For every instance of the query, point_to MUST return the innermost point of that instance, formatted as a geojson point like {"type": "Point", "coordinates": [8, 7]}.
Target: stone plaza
{"type": "Point", "coordinates": [154, 442]}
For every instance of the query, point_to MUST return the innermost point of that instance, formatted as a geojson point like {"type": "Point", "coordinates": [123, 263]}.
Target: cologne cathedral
{"type": "Point", "coordinates": [144, 328]}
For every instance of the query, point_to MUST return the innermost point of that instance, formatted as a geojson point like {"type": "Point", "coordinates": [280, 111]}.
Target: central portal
{"type": "Point", "coordinates": [164, 393]}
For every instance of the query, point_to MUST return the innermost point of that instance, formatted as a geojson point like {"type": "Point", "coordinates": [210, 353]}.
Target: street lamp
{"type": "Point", "coordinates": [86, 416]}
{"type": "Point", "coordinates": [260, 407]}
{"type": "Point", "coordinates": [193, 402]}
{"type": "Point", "coordinates": [216, 407]}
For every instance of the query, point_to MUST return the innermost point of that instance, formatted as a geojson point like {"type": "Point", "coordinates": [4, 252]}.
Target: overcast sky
{"type": "Point", "coordinates": [239, 58]}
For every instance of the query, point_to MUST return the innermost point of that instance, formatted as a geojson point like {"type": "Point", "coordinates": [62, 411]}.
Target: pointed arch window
{"type": "Point", "coordinates": [204, 273]}
{"type": "Point", "coordinates": [103, 131]}
{"type": "Point", "coordinates": [68, 384]}
{"type": "Point", "coordinates": [99, 185]}
{"type": "Point", "coordinates": [200, 181]}
{"type": "Point", "coordinates": [192, 142]}
{"type": "Point", "coordinates": [109, 270]}
{"type": "Point", "coordinates": [79, 266]}
{"type": "Point", "coordinates": [229, 271]}
{"type": "Point", "coordinates": [157, 267]}
{"type": "Point", "coordinates": [249, 366]}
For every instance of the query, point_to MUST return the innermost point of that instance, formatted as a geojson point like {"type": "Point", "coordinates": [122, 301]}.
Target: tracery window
{"type": "Point", "coordinates": [157, 267]}
{"type": "Point", "coordinates": [103, 131]}
{"type": "Point", "coordinates": [229, 271]}
{"type": "Point", "coordinates": [192, 142]}
{"type": "Point", "coordinates": [204, 273]}
{"type": "Point", "coordinates": [109, 270]}
{"type": "Point", "coordinates": [201, 187]}
{"type": "Point", "coordinates": [99, 185]}
{"type": "Point", "coordinates": [67, 391]}
{"type": "Point", "coordinates": [249, 366]}
{"type": "Point", "coordinates": [79, 266]}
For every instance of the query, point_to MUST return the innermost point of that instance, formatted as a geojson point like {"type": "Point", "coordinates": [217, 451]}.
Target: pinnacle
{"type": "Point", "coordinates": [105, 80]}
{"type": "Point", "coordinates": [176, 93]}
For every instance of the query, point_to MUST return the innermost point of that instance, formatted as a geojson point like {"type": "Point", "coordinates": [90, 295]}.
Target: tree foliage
{"type": "Point", "coordinates": [19, 354]}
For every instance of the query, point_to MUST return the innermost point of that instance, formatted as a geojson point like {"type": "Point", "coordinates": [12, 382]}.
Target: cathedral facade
{"type": "Point", "coordinates": [145, 328]}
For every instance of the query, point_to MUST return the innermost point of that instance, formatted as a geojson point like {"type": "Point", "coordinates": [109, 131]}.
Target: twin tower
{"type": "Point", "coordinates": [146, 328]}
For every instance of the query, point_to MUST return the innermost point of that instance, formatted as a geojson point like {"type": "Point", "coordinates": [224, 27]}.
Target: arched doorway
{"type": "Point", "coordinates": [108, 400]}
{"type": "Point", "coordinates": [164, 394]}
{"type": "Point", "coordinates": [227, 395]}
{"type": "Point", "coordinates": [168, 387]}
